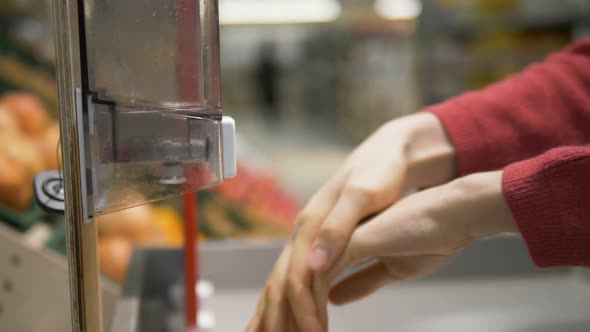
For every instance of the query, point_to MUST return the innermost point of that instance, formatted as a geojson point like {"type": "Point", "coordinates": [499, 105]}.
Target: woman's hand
{"type": "Point", "coordinates": [407, 153]}
{"type": "Point", "coordinates": [417, 235]}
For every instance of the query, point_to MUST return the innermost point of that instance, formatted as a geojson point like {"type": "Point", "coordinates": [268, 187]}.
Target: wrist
{"type": "Point", "coordinates": [429, 154]}
{"type": "Point", "coordinates": [483, 206]}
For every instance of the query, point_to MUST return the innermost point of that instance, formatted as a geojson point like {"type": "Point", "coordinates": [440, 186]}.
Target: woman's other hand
{"type": "Point", "coordinates": [418, 235]}
{"type": "Point", "coordinates": [407, 153]}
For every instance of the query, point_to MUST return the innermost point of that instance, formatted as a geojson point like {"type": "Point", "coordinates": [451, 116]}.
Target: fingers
{"type": "Point", "coordinates": [304, 308]}
{"type": "Point", "coordinates": [299, 284]}
{"type": "Point", "coordinates": [360, 284]}
{"type": "Point", "coordinates": [365, 192]}
{"type": "Point", "coordinates": [274, 312]}
{"type": "Point", "coordinates": [273, 308]}
{"type": "Point", "coordinates": [336, 230]}
{"type": "Point", "coordinates": [291, 324]}
{"type": "Point", "coordinates": [321, 288]}
{"type": "Point", "coordinates": [362, 195]}
{"type": "Point", "coordinates": [275, 318]}
{"type": "Point", "coordinates": [298, 278]}
{"type": "Point", "coordinates": [305, 312]}
{"type": "Point", "coordinates": [376, 276]}
{"type": "Point", "coordinates": [255, 324]}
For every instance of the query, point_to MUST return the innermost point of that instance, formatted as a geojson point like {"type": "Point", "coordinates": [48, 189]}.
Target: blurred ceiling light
{"type": "Point", "coordinates": [398, 9]}
{"type": "Point", "coordinates": [278, 11]}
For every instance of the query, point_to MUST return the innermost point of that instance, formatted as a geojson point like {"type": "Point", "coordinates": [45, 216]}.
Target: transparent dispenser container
{"type": "Point", "coordinates": [150, 101]}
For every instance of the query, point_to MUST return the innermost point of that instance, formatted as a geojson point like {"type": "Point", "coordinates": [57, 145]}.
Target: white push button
{"type": "Point", "coordinates": [228, 147]}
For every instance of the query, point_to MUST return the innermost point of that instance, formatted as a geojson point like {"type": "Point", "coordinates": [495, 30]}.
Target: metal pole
{"type": "Point", "coordinates": [81, 237]}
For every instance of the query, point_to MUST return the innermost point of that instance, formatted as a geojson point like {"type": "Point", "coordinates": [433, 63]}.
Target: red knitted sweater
{"type": "Point", "coordinates": [543, 114]}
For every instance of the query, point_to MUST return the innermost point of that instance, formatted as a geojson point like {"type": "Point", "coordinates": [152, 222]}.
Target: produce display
{"type": "Point", "coordinates": [252, 205]}
{"type": "Point", "coordinates": [145, 225]}
{"type": "Point", "coordinates": [28, 145]}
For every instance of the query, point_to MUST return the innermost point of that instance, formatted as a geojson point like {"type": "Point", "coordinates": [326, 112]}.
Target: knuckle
{"type": "Point", "coordinates": [294, 286]}
{"type": "Point", "coordinates": [403, 271]}
{"type": "Point", "coordinates": [274, 295]}
{"type": "Point", "coordinates": [306, 224]}
{"type": "Point", "coordinates": [363, 194]}
{"type": "Point", "coordinates": [357, 250]}
{"type": "Point", "coordinates": [304, 218]}
{"type": "Point", "coordinates": [333, 235]}
{"type": "Point", "coordinates": [354, 255]}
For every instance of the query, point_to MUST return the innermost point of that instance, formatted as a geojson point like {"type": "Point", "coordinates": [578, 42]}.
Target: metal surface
{"type": "Point", "coordinates": [519, 304]}
{"type": "Point", "coordinates": [34, 295]}
{"type": "Point", "coordinates": [81, 238]}
{"type": "Point", "coordinates": [492, 286]}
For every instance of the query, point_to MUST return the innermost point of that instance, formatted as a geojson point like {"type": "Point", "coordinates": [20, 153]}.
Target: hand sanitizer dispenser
{"type": "Point", "coordinates": [140, 117]}
{"type": "Point", "coordinates": [148, 103]}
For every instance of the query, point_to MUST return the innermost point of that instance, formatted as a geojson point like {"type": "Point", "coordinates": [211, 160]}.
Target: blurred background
{"type": "Point", "coordinates": [305, 80]}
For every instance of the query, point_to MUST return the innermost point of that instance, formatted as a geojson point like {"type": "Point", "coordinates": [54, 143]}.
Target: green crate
{"type": "Point", "coordinates": [21, 221]}
{"type": "Point", "coordinates": [57, 240]}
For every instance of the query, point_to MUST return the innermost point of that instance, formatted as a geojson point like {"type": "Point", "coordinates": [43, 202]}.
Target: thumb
{"type": "Point", "coordinates": [366, 281]}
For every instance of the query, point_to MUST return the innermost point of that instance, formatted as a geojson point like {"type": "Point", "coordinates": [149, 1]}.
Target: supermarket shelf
{"type": "Point", "coordinates": [477, 25]}
{"type": "Point", "coordinates": [464, 49]}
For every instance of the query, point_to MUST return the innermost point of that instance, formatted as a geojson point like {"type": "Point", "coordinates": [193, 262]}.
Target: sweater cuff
{"type": "Point", "coordinates": [464, 132]}
{"type": "Point", "coordinates": [548, 197]}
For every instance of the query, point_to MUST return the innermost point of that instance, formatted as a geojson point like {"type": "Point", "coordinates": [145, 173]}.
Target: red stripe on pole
{"type": "Point", "coordinates": [188, 75]}
{"type": "Point", "coordinates": [190, 259]}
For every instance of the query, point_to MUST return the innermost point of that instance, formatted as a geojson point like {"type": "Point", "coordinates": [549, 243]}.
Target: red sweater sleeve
{"type": "Point", "coordinates": [545, 106]}
{"type": "Point", "coordinates": [549, 197]}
